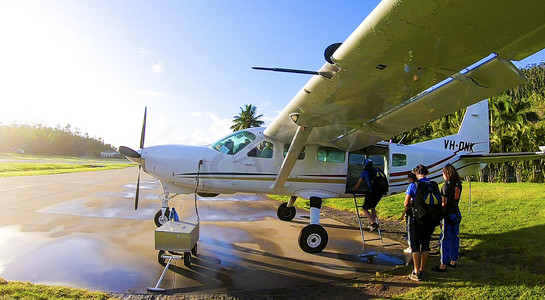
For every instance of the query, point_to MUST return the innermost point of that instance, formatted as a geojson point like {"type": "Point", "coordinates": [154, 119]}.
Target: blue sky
{"type": "Point", "coordinates": [97, 64]}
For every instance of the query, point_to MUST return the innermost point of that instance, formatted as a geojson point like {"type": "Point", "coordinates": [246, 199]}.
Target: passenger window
{"type": "Point", "coordinates": [287, 147]}
{"type": "Point", "coordinates": [333, 155]}
{"type": "Point", "coordinates": [399, 160]}
{"type": "Point", "coordinates": [234, 142]}
{"type": "Point", "coordinates": [263, 150]}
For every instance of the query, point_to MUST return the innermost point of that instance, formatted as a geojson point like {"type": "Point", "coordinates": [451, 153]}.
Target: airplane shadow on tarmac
{"type": "Point", "coordinates": [212, 273]}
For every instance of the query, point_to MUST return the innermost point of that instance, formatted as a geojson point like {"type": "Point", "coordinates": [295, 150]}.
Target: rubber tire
{"type": "Point", "coordinates": [313, 238]}
{"type": "Point", "coordinates": [160, 258]}
{"type": "Point", "coordinates": [187, 259]}
{"type": "Point", "coordinates": [285, 213]}
{"type": "Point", "coordinates": [194, 250]}
{"type": "Point", "coordinates": [158, 215]}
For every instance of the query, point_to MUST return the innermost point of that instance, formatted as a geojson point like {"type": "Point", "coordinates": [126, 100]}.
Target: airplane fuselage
{"type": "Point", "coordinates": [323, 172]}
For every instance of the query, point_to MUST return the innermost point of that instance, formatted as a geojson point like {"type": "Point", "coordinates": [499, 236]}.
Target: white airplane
{"type": "Point", "coordinates": [407, 64]}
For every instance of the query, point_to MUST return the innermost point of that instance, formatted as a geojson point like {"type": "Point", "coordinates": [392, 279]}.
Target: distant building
{"type": "Point", "coordinates": [110, 154]}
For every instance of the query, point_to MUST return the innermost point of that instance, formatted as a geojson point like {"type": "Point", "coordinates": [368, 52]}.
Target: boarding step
{"type": "Point", "coordinates": [379, 231]}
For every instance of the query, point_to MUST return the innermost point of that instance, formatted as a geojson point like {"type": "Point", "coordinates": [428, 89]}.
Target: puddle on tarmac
{"type": "Point", "coordinates": [74, 261]}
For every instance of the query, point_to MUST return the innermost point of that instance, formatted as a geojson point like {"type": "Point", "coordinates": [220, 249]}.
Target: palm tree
{"type": "Point", "coordinates": [246, 118]}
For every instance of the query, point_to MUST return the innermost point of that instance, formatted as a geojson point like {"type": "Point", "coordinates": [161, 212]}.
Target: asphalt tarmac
{"type": "Point", "coordinates": [81, 230]}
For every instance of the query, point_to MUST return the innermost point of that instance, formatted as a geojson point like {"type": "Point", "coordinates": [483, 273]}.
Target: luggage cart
{"type": "Point", "coordinates": [175, 240]}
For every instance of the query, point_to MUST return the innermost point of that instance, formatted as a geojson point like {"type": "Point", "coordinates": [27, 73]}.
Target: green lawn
{"type": "Point", "coordinates": [502, 243]}
{"type": "Point", "coordinates": [25, 290]}
{"type": "Point", "coordinates": [26, 165]}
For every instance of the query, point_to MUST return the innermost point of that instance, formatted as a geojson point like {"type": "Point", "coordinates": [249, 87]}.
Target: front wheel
{"type": "Point", "coordinates": [161, 219]}
{"type": "Point", "coordinates": [285, 213]}
{"type": "Point", "coordinates": [313, 238]}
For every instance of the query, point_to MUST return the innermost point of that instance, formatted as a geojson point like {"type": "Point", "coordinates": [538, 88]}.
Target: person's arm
{"type": "Point", "coordinates": [357, 186]}
{"type": "Point", "coordinates": [407, 205]}
{"type": "Point", "coordinates": [444, 194]}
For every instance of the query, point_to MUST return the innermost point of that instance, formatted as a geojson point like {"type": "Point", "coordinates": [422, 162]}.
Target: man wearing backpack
{"type": "Point", "coordinates": [426, 214]}
{"type": "Point", "coordinates": [378, 185]}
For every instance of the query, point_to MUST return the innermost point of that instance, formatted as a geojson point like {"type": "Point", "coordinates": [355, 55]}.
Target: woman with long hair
{"type": "Point", "coordinates": [450, 242]}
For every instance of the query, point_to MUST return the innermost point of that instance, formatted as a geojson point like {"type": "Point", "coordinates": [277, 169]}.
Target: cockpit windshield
{"type": "Point", "coordinates": [233, 143]}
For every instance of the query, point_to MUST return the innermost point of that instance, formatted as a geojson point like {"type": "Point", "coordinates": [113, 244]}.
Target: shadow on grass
{"type": "Point", "coordinates": [520, 250]}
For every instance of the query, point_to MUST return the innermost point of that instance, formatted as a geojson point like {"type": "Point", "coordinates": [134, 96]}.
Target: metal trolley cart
{"type": "Point", "coordinates": [175, 240]}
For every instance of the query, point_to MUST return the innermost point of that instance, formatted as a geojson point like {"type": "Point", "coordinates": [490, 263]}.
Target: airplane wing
{"type": "Point", "coordinates": [407, 64]}
{"type": "Point", "coordinates": [501, 157]}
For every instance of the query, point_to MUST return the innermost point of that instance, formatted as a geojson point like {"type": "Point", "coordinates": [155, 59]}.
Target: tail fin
{"type": "Point", "coordinates": [473, 135]}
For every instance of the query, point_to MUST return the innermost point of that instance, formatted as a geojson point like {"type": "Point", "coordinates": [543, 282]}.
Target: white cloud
{"type": "Point", "coordinates": [144, 51]}
{"type": "Point", "coordinates": [195, 114]}
{"type": "Point", "coordinates": [158, 68]}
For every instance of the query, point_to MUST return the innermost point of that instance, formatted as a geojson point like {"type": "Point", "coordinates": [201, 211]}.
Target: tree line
{"type": "Point", "coordinates": [517, 124]}
{"type": "Point", "coordinates": [42, 140]}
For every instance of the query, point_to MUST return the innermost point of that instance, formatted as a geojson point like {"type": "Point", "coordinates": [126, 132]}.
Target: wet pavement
{"type": "Point", "coordinates": [81, 230]}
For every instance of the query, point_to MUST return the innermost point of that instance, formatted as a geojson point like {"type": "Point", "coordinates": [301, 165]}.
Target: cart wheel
{"type": "Point", "coordinates": [187, 259]}
{"type": "Point", "coordinates": [194, 250]}
{"type": "Point", "coordinates": [160, 219]}
{"type": "Point", "coordinates": [160, 258]}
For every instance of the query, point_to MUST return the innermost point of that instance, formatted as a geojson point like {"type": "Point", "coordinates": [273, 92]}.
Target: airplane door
{"type": "Point", "coordinates": [217, 172]}
{"type": "Point", "coordinates": [255, 167]}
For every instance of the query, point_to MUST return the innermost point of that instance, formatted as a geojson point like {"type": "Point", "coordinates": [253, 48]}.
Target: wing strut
{"type": "Point", "coordinates": [299, 140]}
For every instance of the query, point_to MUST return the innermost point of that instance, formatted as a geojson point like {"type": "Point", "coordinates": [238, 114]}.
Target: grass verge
{"type": "Point", "coordinates": [25, 290]}
{"type": "Point", "coordinates": [502, 243]}
{"type": "Point", "coordinates": [27, 165]}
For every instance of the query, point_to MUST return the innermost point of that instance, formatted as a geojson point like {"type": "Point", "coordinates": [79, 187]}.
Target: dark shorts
{"type": "Point", "coordinates": [420, 236]}
{"type": "Point", "coordinates": [371, 201]}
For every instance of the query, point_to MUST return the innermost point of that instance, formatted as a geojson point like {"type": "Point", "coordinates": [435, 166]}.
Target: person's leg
{"type": "Point", "coordinates": [416, 261]}
{"type": "Point", "coordinates": [408, 231]}
{"type": "Point", "coordinates": [445, 243]}
{"type": "Point", "coordinates": [423, 260]}
{"type": "Point", "coordinates": [427, 231]}
{"type": "Point", "coordinates": [368, 215]}
{"type": "Point", "coordinates": [455, 244]}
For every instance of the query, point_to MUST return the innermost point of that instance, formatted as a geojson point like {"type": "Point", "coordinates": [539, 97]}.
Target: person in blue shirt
{"type": "Point", "coordinates": [372, 197]}
{"type": "Point", "coordinates": [420, 234]}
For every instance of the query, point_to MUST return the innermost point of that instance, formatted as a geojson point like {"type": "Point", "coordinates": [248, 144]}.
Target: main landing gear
{"type": "Point", "coordinates": [313, 238]}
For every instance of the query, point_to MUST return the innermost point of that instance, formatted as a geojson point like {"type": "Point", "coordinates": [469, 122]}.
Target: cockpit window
{"type": "Point", "coordinates": [234, 142]}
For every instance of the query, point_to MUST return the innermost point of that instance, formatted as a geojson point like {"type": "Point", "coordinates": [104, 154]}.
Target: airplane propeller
{"type": "Point", "coordinates": [136, 157]}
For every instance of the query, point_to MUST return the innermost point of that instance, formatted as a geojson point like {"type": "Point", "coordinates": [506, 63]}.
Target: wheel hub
{"type": "Point", "coordinates": [314, 240]}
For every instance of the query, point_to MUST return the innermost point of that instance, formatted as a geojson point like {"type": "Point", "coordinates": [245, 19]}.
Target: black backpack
{"type": "Point", "coordinates": [379, 183]}
{"type": "Point", "coordinates": [427, 203]}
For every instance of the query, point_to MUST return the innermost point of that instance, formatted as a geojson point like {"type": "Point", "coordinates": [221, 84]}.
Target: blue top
{"type": "Point", "coordinates": [411, 189]}
{"type": "Point", "coordinates": [366, 176]}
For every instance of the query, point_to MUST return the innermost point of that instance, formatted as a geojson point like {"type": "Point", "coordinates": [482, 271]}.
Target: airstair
{"type": "Point", "coordinates": [368, 255]}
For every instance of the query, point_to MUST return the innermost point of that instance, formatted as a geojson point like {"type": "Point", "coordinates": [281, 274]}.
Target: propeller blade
{"type": "Point", "coordinates": [137, 189]}
{"type": "Point", "coordinates": [142, 137]}
{"type": "Point", "coordinates": [129, 152]}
